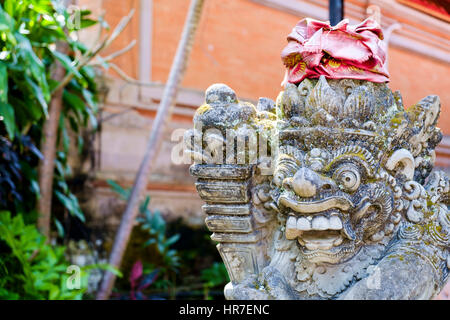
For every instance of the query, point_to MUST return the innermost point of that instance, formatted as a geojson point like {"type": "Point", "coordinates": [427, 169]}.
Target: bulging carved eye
{"type": "Point", "coordinates": [348, 177]}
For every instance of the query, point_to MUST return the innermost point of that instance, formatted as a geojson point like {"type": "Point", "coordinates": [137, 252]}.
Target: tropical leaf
{"type": "Point", "coordinates": [124, 193]}
{"type": "Point", "coordinates": [38, 94]}
{"type": "Point", "coordinates": [7, 117]}
{"type": "Point", "coordinates": [3, 83]}
{"type": "Point", "coordinates": [67, 63]}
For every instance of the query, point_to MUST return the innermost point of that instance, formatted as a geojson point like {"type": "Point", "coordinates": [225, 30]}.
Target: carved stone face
{"type": "Point", "coordinates": [337, 177]}
{"type": "Point", "coordinates": [333, 202]}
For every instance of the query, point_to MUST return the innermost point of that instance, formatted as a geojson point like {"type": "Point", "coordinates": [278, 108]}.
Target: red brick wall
{"type": "Point", "coordinates": [416, 77]}
{"type": "Point", "coordinates": [239, 42]}
{"type": "Point", "coordinates": [115, 10]}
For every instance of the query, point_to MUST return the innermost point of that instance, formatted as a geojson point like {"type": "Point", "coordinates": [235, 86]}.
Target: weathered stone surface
{"type": "Point", "coordinates": [226, 209]}
{"type": "Point", "coordinates": [222, 172]}
{"type": "Point", "coordinates": [228, 237]}
{"type": "Point", "coordinates": [229, 224]}
{"type": "Point", "coordinates": [341, 202]}
{"type": "Point", "coordinates": [220, 191]}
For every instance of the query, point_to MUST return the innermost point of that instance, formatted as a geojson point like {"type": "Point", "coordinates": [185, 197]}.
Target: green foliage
{"type": "Point", "coordinates": [213, 277]}
{"type": "Point", "coordinates": [32, 35]}
{"type": "Point", "coordinates": [191, 263]}
{"type": "Point", "coordinates": [30, 268]}
{"type": "Point", "coordinates": [156, 227]}
{"type": "Point", "coordinates": [216, 275]}
{"type": "Point", "coordinates": [29, 33]}
{"type": "Point", "coordinates": [123, 193]}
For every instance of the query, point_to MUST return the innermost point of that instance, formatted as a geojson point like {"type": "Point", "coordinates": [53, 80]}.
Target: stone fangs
{"type": "Point", "coordinates": [321, 229]}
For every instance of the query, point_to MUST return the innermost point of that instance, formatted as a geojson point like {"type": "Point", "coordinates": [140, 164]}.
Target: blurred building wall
{"type": "Point", "coordinates": [239, 43]}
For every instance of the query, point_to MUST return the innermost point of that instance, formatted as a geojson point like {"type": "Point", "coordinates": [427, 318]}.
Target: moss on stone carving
{"type": "Point", "coordinates": [345, 194]}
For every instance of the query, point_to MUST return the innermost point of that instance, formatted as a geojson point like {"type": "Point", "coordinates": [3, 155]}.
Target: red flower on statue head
{"type": "Point", "coordinates": [316, 48]}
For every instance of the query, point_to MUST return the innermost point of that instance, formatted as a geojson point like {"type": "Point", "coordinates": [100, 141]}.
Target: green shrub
{"type": "Point", "coordinates": [154, 228]}
{"type": "Point", "coordinates": [214, 277]}
{"type": "Point", "coordinates": [32, 269]}
{"type": "Point", "coordinates": [29, 33]}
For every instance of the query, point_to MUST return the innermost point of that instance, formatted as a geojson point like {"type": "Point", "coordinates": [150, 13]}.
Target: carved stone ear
{"type": "Point", "coordinates": [402, 161]}
{"type": "Point", "coordinates": [424, 115]}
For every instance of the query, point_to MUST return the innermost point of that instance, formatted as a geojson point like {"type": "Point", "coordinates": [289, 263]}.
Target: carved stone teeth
{"type": "Point", "coordinates": [303, 224]}
{"type": "Point", "coordinates": [291, 228]}
{"type": "Point", "coordinates": [335, 223]}
{"type": "Point", "coordinates": [320, 223]}
{"type": "Point", "coordinates": [291, 222]}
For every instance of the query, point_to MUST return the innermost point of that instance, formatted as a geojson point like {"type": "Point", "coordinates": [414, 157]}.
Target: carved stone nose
{"type": "Point", "coordinates": [305, 182]}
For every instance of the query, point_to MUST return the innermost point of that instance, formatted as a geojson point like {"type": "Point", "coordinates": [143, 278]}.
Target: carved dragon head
{"type": "Point", "coordinates": [346, 190]}
{"type": "Point", "coordinates": [348, 153]}
{"type": "Point", "coordinates": [349, 165]}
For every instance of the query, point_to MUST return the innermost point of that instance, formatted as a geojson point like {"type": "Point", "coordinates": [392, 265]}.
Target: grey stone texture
{"type": "Point", "coordinates": [327, 193]}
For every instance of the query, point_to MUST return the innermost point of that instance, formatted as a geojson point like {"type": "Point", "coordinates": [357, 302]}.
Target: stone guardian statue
{"type": "Point", "coordinates": [328, 193]}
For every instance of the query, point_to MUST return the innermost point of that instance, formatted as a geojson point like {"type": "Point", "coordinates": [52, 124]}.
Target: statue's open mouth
{"type": "Point", "coordinates": [318, 224]}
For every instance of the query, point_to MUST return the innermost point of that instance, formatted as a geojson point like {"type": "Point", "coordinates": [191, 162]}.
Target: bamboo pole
{"type": "Point", "coordinates": [163, 113]}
